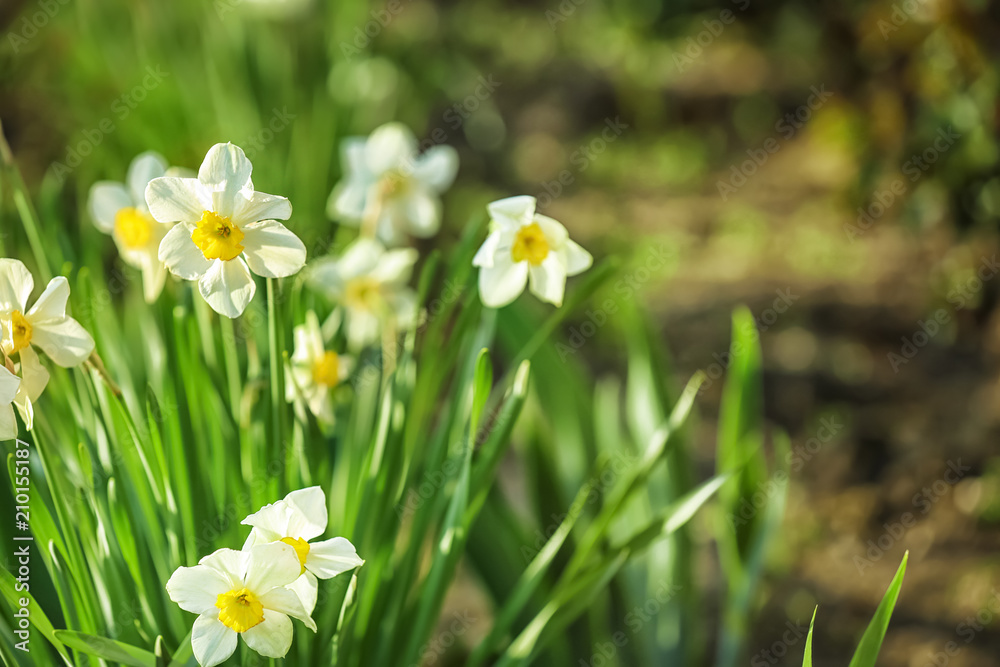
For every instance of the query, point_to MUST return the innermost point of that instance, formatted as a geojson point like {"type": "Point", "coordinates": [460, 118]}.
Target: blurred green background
{"type": "Point", "coordinates": [832, 164]}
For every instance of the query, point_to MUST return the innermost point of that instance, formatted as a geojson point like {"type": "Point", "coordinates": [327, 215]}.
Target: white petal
{"type": "Point", "coordinates": [576, 258]}
{"type": "Point", "coordinates": [555, 234]}
{"type": "Point", "coordinates": [154, 275]}
{"type": "Point", "coordinates": [309, 515]}
{"type": "Point", "coordinates": [270, 522]}
{"type": "Point", "coordinates": [212, 641]}
{"type": "Point", "coordinates": [362, 329]}
{"type": "Point", "coordinates": [144, 168]}
{"type": "Point", "coordinates": [331, 557]}
{"type": "Point", "coordinates": [9, 384]}
{"type": "Point", "coordinates": [346, 366]}
{"type": "Point", "coordinates": [352, 156]}
{"type": "Point", "coordinates": [304, 353]}
{"type": "Point", "coordinates": [26, 409]}
{"type": "Point", "coordinates": [403, 303]}
{"type": "Point", "coordinates": [8, 423]}
{"type": "Point", "coordinates": [16, 284]}
{"type": "Point", "coordinates": [252, 539]}
{"type": "Point", "coordinates": [512, 212]}
{"type": "Point", "coordinates": [272, 637]}
{"type": "Point", "coordinates": [196, 589]}
{"type": "Point", "coordinates": [34, 376]}
{"type": "Point", "coordinates": [489, 249]}
{"type": "Point", "coordinates": [51, 305]}
{"type": "Point", "coordinates": [348, 201]}
{"type": "Point", "coordinates": [389, 147]}
{"type": "Point", "coordinates": [270, 566]}
{"type": "Point", "coordinates": [395, 266]}
{"type": "Point", "coordinates": [423, 212]}
{"type": "Point", "coordinates": [287, 601]}
{"type": "Point", "coordinates": [260, 206]}
{"type": "Point", "coordinates": [106, 199]}
{"type": "Point", "coordinates": [225, 172]}
{"type": "Point", "coordinates": [392, 220]}
{"type": "Point", "coordinates": [548, 280]}
{"type": "Point", "coordinates": [318, 400]}
{"type": "Point", "coordinates": [228, 287]}
{"type": "Point", "coordinates": [173, 199]}
{"type": "Point", "coordinates": [503, 282]}
{"type": "Point", "coordinates": [323, 275]}
{"type": "Point", "coordinates": [307, 588]}
{"type": "Point", "coordinates": [360, 258]}
{"type": "Point", "coordinates": [179, 253]}
{"type": "Point", "coordinates": [230, 564]}
{"type": "Point", "coordinates": [64, 341]}
{"type": "Point", "coordinates": [313, 340]}
{"type": "Point", "coordinates": [437, 167]}
{"type": "Point", "coordinates": [272, 250]}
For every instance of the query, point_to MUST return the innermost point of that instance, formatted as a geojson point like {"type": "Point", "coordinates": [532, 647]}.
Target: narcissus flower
{"type": "Point", "coordinates": [120, 209]}
{"type": "Point", "coordinates": [522, 247]}
{"type": "Point", "coordinates": [299, 517]}
{"type": "Point", "coordinates": [45, 325]}
{"type": "Point", "coordinates": [225, 231]}
{"type": "Point", "coordinates": [9, 385]}
{"type": "Point", "coordinates": [313, 371]}
{"type": "Point", "coordinates": [241, 593]}
{"type": "Point", "coordinates": [390, 187]}
{"type": "Point", "coordinates": [370, 282]}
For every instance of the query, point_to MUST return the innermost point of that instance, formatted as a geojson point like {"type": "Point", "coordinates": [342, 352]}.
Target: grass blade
{"type": "Point", "coordinates": [871, 641]}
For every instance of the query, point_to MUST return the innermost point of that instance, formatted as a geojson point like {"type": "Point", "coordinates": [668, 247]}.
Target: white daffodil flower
{"type": "Point", "coordinates": [241, 593]}
{"type": "Point", "coordinates": [45, 325]}
{"type": "Point", "coordinates": [390, 187]}
{"type": "Point", "coordinates": [10, 384]}
{"type": "Point", "coordinates": [299, 517]}
{"type": "Point", "coordinates": [370, 282]}
{"type": "Point", "coordinates": [120, 209]}
{"type": "Point", "coordinates": [522, 246]}
{"type": "Point", "coordinates": [313, 371]}
{"type": "Point", "coordinates": [225, 231]}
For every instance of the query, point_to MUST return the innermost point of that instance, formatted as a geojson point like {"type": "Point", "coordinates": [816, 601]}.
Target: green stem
{"type": "Point", "coordinates": [277, 383]}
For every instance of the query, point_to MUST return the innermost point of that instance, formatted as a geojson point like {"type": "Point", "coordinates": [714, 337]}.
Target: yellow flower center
{"type": "Point", "coordinates": [133, 228]}
{"type": "Point", "coordinates": [19, 335]}
{"type": "Point", "coordinates": [239, 609]}
{"type": "Point", "coordinates": [362, 294]}
{"type": "Point", "coordinates": [301, 547]}
{"type": "Point", "coordinates": [326, 370]}
{"type": "Point", "coordinates": [394, 184]}
{"type": "Point", "coordinates": [530, 244]}
{"type": "Point", "coordinates": [217, 237]}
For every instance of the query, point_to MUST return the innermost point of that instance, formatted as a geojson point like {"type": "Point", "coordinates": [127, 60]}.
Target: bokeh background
{"type": "Point", "coordinates": [833, 165]}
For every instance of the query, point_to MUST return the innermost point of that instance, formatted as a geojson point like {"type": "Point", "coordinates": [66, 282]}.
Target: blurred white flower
{"type": "Point", "coordinates": [231, 591]}
{"type": "Point", "coordinates": [370, 283]}
{"type": "Point", "coordinates": [273, 8]}
{"type": "Point", "coordinates": [222, 220]}
{"type": "Point", "coordinates": [299, 517]}
{"type": "Point", "coordinates": [313, 371]}
{"type": "Point", "coordinates": [120, 209]}
{"type": "Point", "coordinates": [9, 386]}
{"type": "Point", "coordinates": [45, 325]}
{"type": "Point", "coordinates": [525, 245]}
{"type": "Point", "coordinates": [391, 188]}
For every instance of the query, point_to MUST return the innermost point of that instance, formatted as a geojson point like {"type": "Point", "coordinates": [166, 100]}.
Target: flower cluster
{"type": "Point", "coordinates": [251, 593]}
{"type": "Point", "coordinates": [217, 230]}
{"type": "Point", "coordinates": [213, 228]}
{"type": "Point", "coordinates": [44, 326]}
